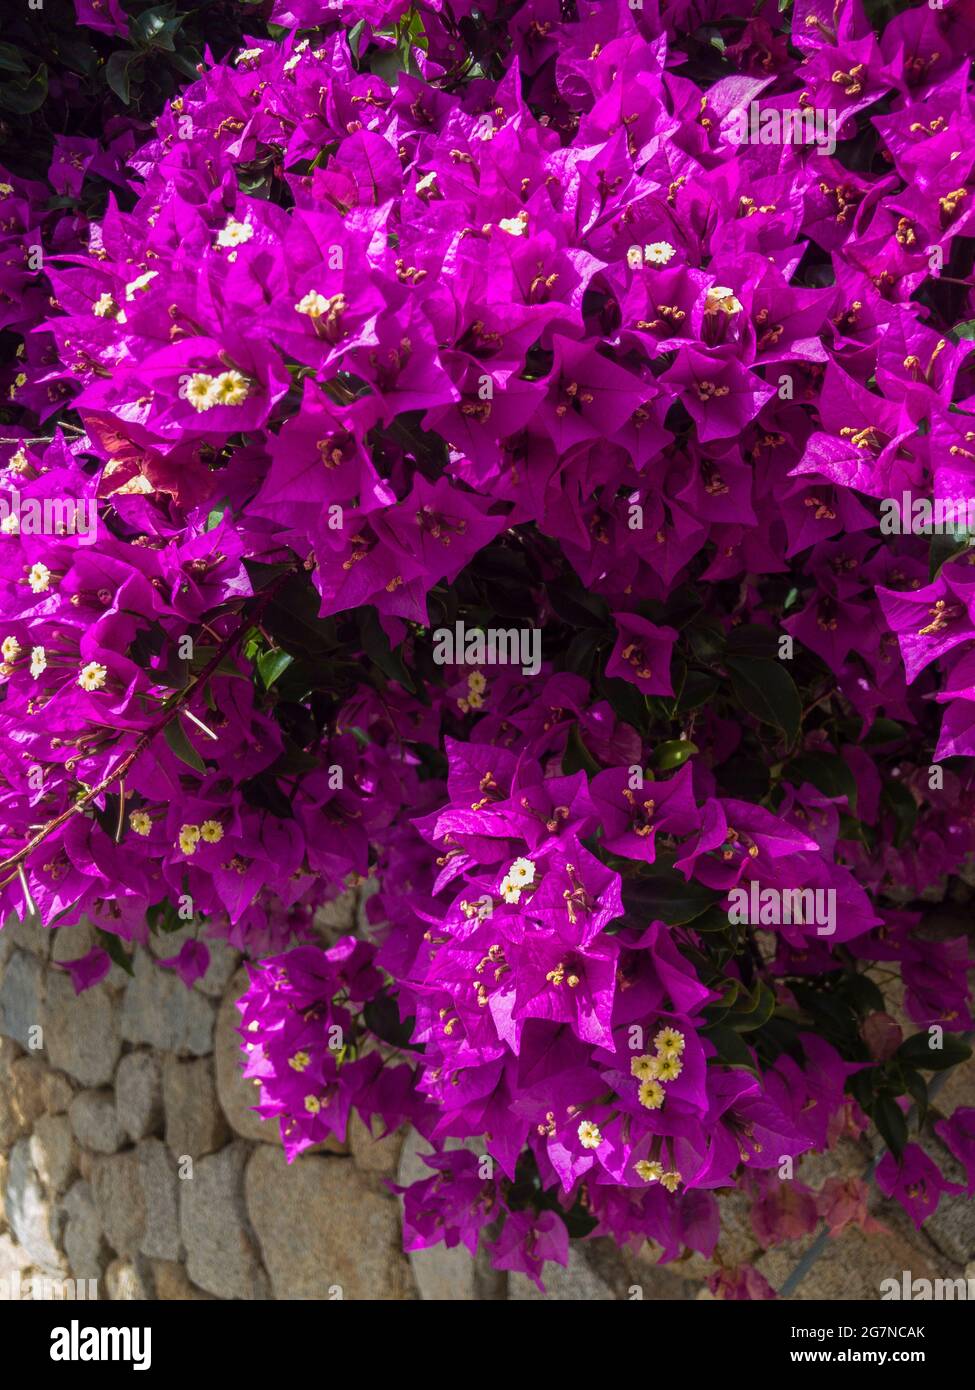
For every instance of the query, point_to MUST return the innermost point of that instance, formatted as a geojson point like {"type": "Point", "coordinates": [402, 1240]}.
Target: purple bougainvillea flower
{"type": "Point", "coordinates": [915, 1182]}
{"type": "Point", "coordinates": [191, 964]}
{"type": "Point", "coordinates": [642, 654]}
{"type": "Point", "coordinates": [88, 970]}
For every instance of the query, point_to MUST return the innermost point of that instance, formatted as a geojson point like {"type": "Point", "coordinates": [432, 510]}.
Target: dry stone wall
{"type": "Point", "coordinates": [130, 1159]}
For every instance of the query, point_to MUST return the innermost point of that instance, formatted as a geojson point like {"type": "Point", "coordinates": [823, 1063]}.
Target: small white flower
{"type": "Point", "coordinates": [235, 233]}
{"type": "Point", "coordinates": [522, 872]}
{"type": "Point", "coordinates": [230, 388]}
{"type": "Point", "coordinates": [189, 836]}
{"type": "Point", "coordinates": [92, 676]}
{"type": "Point", "coordinates": [659, 253]}
{"type": "Point", "coordinates": [200, 391]}
{"type": "Point", "coordinates": [39, 578]}
{"type": "Point", "coordinates": [589, 1135]}
{"type": "Point", "coordinates": [10, 649]}
{"type": "Point", "coordinates": [509, 891]}
{"type": "Point", "coordinates": [38, 662]}
{"type": "Point", "coordinates": [722, 300]}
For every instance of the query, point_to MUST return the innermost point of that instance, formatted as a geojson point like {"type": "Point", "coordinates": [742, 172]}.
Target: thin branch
{"type": "Point", "coordinates": [121, 768]}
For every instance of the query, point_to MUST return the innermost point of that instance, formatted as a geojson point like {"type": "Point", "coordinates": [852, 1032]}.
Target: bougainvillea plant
{"type": "Point", "coordinates": [498, 456]}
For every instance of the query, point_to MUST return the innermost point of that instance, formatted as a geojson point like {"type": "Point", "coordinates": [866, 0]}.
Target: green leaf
{"type": "Point", "coordinates": [577, 608]}
{"type": "Point", "coordinates": [217, 515]}
{"type": "Point", "coordinates": [897, 799]}
{"type": "Point", "coordinates": [377, 648]}
{"type": "Point", "coordinates": [827, 772]}
{"type": "Point", "coordinates": [890, 1121]}
{"type": "Point", "coordinates": [112, 944]}
{"type": "Point", "coordinates": [753, 639]}
{"type": "Point", "coordinates": [884, 730]}
{"type": "Point", "coordinates": [577, 755]}
{"type": "Point", "coordinates": [917, 1089]}
{"type": "Point", "coordinates": [117, 74]}
{"type": "Point", "coordinates": [155, 28]}
{"type": "Point", "coordinates": [663, 895]}
{"type": "Point", "coordinates": [917, 1052]}
{"type": "Point", "coordinates": [24, 96]}
{"type": "Point", "coordinates": [353, 38]}
{"type": "Point", "coordinates": [766, 690]}
{"type": "Point", "coordinates": [713, 919]}
{"type": "Point", "coordinates": [163, 917]}
{"type": "Point", "coordinates": [175, 736]}
{"type": "Point", "coordinates": [963, 332]}
{"type": "Point", "coordinates": [757, 1011]}
{"type": "Point", "coordinates": [12, 60]}
{"type": "Point", "coordinates": [674, 753]}
{"type": "Point", "coordinates": [271, 665]}
{"type": "Point", "coordinates": [733, 1051]}
{"type": "Point", "coordinates": [698, 689]}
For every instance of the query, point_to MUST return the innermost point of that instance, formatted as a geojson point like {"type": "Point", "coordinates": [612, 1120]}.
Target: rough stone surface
{"type": "Point", "coordinates": [127, 1281]}
{"type": "Point", "coordinates": [322, 1228]}
{"type": "Point", "coordinates": [81, 1032]}
{"type": "Point", "coordinates": [373, 1155]}
{"type": "Point", "coordinates": [952, 1227]}
{"type": "Point", "coordinates": [221, 1254]}
{"type": "Point", "coordinates": [157, 1175]}
{"type": "Point", "coordinates": [852, 1266]}
{"type": "Point", "coordinates": [83, 1244]}
{"type": "Point", "coordinates": [95, 1121]}
{"type": "Point", "coordinates": [71, 943]}
{"type": "Point", "coordinates": [172, 1285]}
{"type": "Point", "coordinates": [116, 1185]}
{"type": "Point", "coordinates": [223, 958]}
{"type": "Point", "coordinates": [578, 1282]}
{"type": "Point", "coordinates": [138, 1094]}
{"type": "Point", "coordinates": [21, 997]}
{"type": "Point", "coordinates": [30, 936]}
{"type": "Point", "coordinates": [20, 1103]}
{"type": "Point", "coordinates": [32, 1216]}
{"type": "Point", "coordinates": [56, 1092]}
{"type": "Point", "coordinates": [14, 1259]}
{"type": "Point", "coordinates": [160, 1011]}
{"type": "Point", "coordinates": [52, 1152]}
{"type": "Point", "coordinates": [194, 1122]}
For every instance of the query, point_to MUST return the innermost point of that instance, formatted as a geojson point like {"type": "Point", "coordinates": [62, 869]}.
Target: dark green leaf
{"type": "Point", "coordinates": [733, 1051]}
{"type": "Point", "coordinates": [664, 895]}
{"type": "Point", "coordinates": [766, 690]}
{"type": "Point", "coordinates": [175, 736]}
{"type": "Point", "coordinates": [917, 1052]}
{"type": "Point", "coordinates": [118, 74]}
{"type": "Point", "coordinates": [377, 648]}
{"type": "Point", "coordinates": [827, 772]}
{"type": "Point", "coordinates": [24, 96]}
{"type": "Point", "coordinates": [111, 943]}
{"type": "Point", "coordinates": [890, 1121]}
